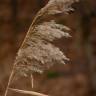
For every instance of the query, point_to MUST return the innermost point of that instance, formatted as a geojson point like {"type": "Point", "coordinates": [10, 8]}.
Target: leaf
{"type": "Point", "coordinates": [27, 92]}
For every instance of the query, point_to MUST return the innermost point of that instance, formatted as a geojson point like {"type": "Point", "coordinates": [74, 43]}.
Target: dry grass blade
{"type": "Point", "coordinates": [27, 92]}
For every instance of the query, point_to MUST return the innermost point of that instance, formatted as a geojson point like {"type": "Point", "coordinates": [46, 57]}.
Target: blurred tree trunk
{"type": "Point", "coordinates": [89, 38]}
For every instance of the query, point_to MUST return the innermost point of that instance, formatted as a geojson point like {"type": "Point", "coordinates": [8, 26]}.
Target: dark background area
{"type": "Point", "coordinates": [77, 77]}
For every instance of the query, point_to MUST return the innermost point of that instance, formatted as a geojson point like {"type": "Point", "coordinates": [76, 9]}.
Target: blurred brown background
{"type": "Point", "coordinates": [78, 77]}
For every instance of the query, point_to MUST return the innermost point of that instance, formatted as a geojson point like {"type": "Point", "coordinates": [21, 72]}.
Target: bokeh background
{"type": "Point", "coordinates": [77, 77]}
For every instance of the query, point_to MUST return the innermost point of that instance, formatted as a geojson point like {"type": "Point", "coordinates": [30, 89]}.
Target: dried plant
{"type": "Point", "coordinates": [38, 53]}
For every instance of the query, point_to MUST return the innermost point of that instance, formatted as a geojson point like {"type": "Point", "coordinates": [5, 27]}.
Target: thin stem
{"type": "Point", "coordinates": [37, 17]}
{"type": "Point", "coordinates": [10, 78]}
{"type": "Point", "coordinates": [32, 81]}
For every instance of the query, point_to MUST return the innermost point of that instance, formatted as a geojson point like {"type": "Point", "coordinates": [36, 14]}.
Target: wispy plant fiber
{"type": "Point", "coordinates": [38, 52]}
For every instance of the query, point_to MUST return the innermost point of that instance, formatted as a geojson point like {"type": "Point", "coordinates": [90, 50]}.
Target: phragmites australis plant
{"type": "Point", "coordinates": [37, 52]}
